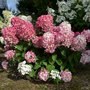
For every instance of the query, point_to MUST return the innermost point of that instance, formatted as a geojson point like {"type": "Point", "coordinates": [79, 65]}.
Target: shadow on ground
{"type": "Point", "coordinates": [80, 81]}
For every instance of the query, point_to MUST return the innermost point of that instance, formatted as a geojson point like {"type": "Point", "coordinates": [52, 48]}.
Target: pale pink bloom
{"type": "Point", "coordinates": [79, 43]}
{"type": "Point", "coordinates": [4, 64]}
{"type": "Point", "coordinates": [43, 74]}
{"type": "Point", "coordinates": [87, 52]}
{"type": "Point", "coordinates": [86, 33]}
{"type": "Point", "coordinates": [63, 34]}
{"type": "Point", "coordinates": [45, 23]}
{"type": "Point", "coordinates": [85, 58]}
{"type": "Point", "coordinates": [30, 57]}
{"type": "Point", "coordinates": [66, 33]}
{"type": "Point", "coordinates": [58, 36]}
{"type": "Point", "coordinates": [9, 34]}
{"type": "Point", "coordinates": [49, 42]}
{"type": "Point", "coordinates": [66, 76]}
{"type": "Point", "coordinates": [9, 54]}
{"type": "Point", "coordinates": [66, 26]}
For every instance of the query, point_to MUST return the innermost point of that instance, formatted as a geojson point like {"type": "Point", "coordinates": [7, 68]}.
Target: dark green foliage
{"type": "Point", "coordinates": [36, 6]}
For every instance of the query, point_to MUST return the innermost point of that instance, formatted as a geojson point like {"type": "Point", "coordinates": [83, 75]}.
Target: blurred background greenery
{"type": "Point", "coordinates": [38, 7]}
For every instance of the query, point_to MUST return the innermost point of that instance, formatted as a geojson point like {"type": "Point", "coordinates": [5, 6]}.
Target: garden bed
{"type": "Point", "coordinates": [80, 81]}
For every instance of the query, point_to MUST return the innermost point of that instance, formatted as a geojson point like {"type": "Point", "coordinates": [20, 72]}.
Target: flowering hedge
{"type": "Point", "coordinates": [44, 51]}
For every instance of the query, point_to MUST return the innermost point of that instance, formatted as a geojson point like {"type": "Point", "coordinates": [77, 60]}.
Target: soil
{"type": "Point", "coordinates": [80, 81]}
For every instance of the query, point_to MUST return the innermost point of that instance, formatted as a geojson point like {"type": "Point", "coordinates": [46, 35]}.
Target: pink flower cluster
{"type": "Point", "coordinates": [85, 58]}
{"type": "Point", "coordinates": [49, 42]}
{"type": "Point", "coordinates": [61, 35]}
{"type": "Point", "coordinates": [37, 41]}
{"type": "Point", "coordinates": [64, 35]}
{"type": "Point", "coordinates": [52, 37]}
{"type": "Point", "coordinates": [66, 76]}
{"type": "Point", "coordinates": [9, 34]}
{"type": "Point", "coordinates": [25, 30]}
{"type": "Point", "coordinates": [4, 64]}
{"type": "Point", "coordinates": [9, 54]}
{"type": "Point", "coordinates": [20, 29]}
{"type": "Point", "coordinates": [30, 57]}
{"type": "Point", "coordinates": [45, 23]}
{"type": "Point", "coordinates": [79, 43]}
{"type": "Point", "coordinates": [43, 74]}
{"type": "Point", "coordinates": [86, 33]}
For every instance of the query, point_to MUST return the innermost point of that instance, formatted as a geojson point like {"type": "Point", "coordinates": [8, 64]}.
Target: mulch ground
{"type": "Point", "coordinates": [80, 81]}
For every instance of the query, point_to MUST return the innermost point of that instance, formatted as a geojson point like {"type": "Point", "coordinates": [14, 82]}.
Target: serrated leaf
{"type": "Point", "coordinates": [51, 61]}
{"type": "Point", "coordinates": [50, 67]}
{"type": "Point", "coordinates": [62, 66]}
{"type": "Point", "coordinates": [32, 73]}
{"type": "Point", "coordinates": [63, 53]}
{"type": "Point", "coordinates": [45, 63]}
{"type": "Point", "coordinates": [59, 62]}
{"type": "Point", "coordinates": [18, 54]}
{"type": "Point", "coordinates": [37, 66]}
{"type": "Point", "coordinates": [19, 47]}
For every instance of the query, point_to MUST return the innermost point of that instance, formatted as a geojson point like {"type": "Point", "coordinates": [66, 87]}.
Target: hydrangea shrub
{"type": "Point", "coordinates": [44, 51]}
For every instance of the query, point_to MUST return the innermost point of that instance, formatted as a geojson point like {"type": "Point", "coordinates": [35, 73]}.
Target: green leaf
{"type": "Point", "coordinates": [50, 67]}
{"type": "Point", "coordinates": [23, 54]}
{"type": "Point", "coordinates": [45, 63]}
{"type": "Point", "coordinates": [29, 44]}
{"type": "Point", "coordinates": [62, 66]}
{"type": "Point", "coordinates": [19, 47]}
{"type": "Point", "coordinates": [76, 57]}
{"type": "Point", "coordinates": [25, 48]}
{"type": "Point", "coordinates": [63, 52]}
{"type": "Point", "coordinates": [70, 59]}
{"type": "Point", "coordinates": [59, 62]}
{"type": "Point", "coordinates": [37, 66]}
{"type": "Point", "coordinates": [51, 61]}
{"type": "Point", "coordinates": [32, 73]}
{"type": "Point", "coordinates": [54, 57]}
{"type": "Point", "coordinates": [18, 54]}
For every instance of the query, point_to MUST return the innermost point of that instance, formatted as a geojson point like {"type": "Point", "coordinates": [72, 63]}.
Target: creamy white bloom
{"type": "Point", "coordinates": [62, 6]}
{"type": "Point", "coordinates": [70, 2]}
{"type": "Point", "coordinates": [87, 9]}
{"type": "Point", "coordinates": [2, 40]}
{"type": "Point", "coordinates": [51, 11]}
{"type": "Point", "coordinates": [85, 2]}
{"type": "Point", "coordinates": [55, 74]}
{"type": "Point", "coordinates": [87, 17]}
{"type": "Point", "coordinates": [23, 68]}
{"type": "Point", "coordinates": [70, 15]}
{"type": "Point", "coordinates": [78, 7]}
{"type": "Point", "coordinates": [67, 10]}
{"type": "Point", "coordinates": [59, 19]}
{"type": "Point", "coordinates": [26, 18]}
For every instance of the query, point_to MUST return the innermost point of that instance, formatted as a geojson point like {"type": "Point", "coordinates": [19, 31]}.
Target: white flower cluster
{"type": "Point", "coordinates": [2, 40]}
{"type": "Point", "coordinates": [67, 10]}
{"type": "Point", "coordinates": [51, 11]}
{"type": "Point", "coordinates": [26, 18]}
{"type": "Point", "coordinates": [23, 68]}
{"type": "Point", "coordinates": [55, 74]}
